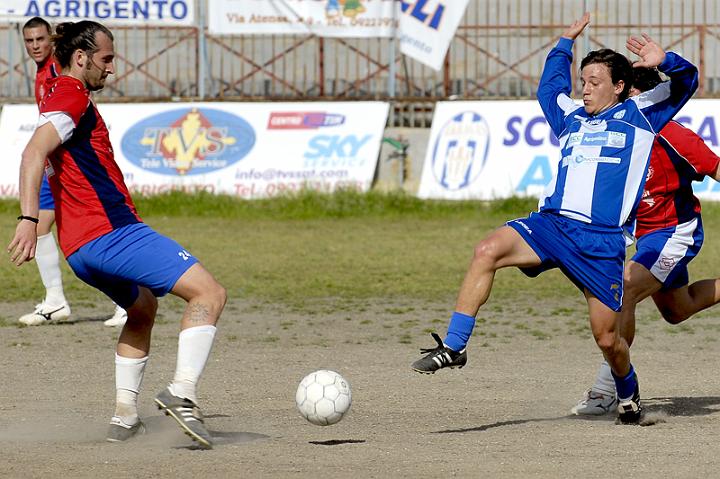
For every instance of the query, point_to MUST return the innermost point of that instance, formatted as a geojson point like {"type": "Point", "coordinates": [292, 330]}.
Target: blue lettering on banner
{"type": "Point", "coordinates": [189, 141]}
{"type": "Point", "coordinates": [707, 185]}
{"type": "Point", "coordinates": [334, 146]}
{"type": "Point", "coordinates": [109, 9]}
{"type": "Point", "coordinates": [516, 130]}
{"type": "Point", "coordinates": [537, 174]}
{"type": "Point", "coordinates": [460, 151]}
{"type": "Point", "coordinates": [417, 11]}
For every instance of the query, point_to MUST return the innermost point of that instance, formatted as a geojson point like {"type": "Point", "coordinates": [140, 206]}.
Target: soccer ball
{"type": "Point", "coordinates": [323, 397]}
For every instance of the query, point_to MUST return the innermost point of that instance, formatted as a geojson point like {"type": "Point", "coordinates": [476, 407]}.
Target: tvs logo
{"type": "Point", "coordinates": [461, 150]}
{"type": "Point", "coordinates": [188, 141]}
{"type": "Point", "coordinates": [298, 120]}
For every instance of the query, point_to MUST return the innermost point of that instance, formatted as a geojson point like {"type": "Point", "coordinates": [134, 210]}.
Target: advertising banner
{"type": "Point", "coordinates": [110, 12]}
{"type": "Point", "coordinates": [250, 150]}
{"type": "Point", "coordinates": [427, 27]}
{"type": "Point", "coordinates": [325, 18]}
{"type": "Point", "coordinates": [498, 149]}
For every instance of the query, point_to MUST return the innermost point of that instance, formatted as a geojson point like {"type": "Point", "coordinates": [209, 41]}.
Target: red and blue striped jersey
{"type": "Point", "coordinates": [678, 158]}
{"type": "Point", "coordinates": [90, 193]}
{"type": "Point", "coordinates": [50, 69]}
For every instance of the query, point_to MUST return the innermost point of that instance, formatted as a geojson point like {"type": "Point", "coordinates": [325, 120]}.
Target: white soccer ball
{"type": "Point", "coordinates": [323, 397]}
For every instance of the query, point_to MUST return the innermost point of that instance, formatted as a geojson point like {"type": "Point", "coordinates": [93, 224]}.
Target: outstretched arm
{"type": "Point", "coordinates": [577, 27]}
{"type": "Point", "coordinates": [556, 81]}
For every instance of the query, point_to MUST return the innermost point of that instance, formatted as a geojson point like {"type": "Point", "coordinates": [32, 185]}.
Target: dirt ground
{"type": "Point", "coordinates": [504, 415]}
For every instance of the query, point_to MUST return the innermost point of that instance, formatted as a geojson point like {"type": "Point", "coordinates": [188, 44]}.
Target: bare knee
{"type": "Point", "coordinates": [486, 252]}
{"type": "Point", "coordinates": [142, 313]}
{"type": "Point", "coordinates": [607, 342]}
{"type": "Point", "coordinates": [672, 316]}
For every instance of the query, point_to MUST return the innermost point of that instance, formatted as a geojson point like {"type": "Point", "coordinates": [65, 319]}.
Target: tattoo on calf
{"type": "Point", "coordinates": [198, 314]}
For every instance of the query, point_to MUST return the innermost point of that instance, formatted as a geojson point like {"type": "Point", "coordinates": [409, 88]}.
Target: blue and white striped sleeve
{"type": "Point", "coordinates": [556, 85]}
{"type": "Point", "coordinates": [660, 104]}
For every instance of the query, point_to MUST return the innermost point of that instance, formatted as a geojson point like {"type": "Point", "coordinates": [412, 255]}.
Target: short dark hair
{"type": "Point", "coordinates": [619, 66]}
{"type": "Point", "coordinates": [35, 22]}
{"type": "Point", "coordinates": [645, 78]}
{"type": "Point", "coordinates": [72, 36]}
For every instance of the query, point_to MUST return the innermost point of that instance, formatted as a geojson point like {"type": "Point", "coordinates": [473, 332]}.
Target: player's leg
{"type": "Point", "coordinates": [677, 305]}
{"type": "Point", "coordinates": [601, 398]}
{"type": "Point", "coordinates": [206, 300]}
{"type": "Point", "coordinates": [502, 248]}
{"type": "Point", "coordinates": [604, 322]}
{"type": "Point", "coordinates": [131, 357]}
{"type": "Point", "coordinates": [54, 306]}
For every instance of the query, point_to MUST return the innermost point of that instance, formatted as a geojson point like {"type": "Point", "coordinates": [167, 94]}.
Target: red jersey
{"type": "Point", "coordinates": [50, 69]}
{"type": "Point", "coordinates": [90, 194]}
{"type": "Point", "coordinates": [678, 158]}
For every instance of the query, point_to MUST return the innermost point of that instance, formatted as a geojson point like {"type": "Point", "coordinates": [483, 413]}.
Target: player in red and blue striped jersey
{"type": "Point", "coordinates": [605, 149]}
{"type": "Point", "coordinates": [106, 243]}
{"type": "Point", "coordinates": [669, 235]}
{"type": "Point", "coordinates": [54, 307]}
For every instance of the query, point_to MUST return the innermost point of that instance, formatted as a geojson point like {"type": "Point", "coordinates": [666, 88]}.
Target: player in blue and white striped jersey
{"type": "Point", "coordinates": [605, 150]}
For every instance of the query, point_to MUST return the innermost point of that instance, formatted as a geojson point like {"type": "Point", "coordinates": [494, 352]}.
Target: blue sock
{"type": "Point", "coordinates": [459, 331]}
{"type": "Point", "coordinates": [626, 386]}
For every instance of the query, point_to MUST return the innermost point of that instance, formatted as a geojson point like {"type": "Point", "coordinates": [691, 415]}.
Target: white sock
{"type": "Point", "coordinates": [604, 382]}
{"type": "Point", "coordinates": [194, 346]}
{"type": "Point", "coordinates": [128, 378]}
{"type": "Point", "coordinates": [48, 262]}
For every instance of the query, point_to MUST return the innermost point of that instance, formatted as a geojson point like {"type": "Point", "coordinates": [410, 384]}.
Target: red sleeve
{"type": "Point", "coordinates": [691, 147]}
{"type": "Point", "coordinates": [68, 97]}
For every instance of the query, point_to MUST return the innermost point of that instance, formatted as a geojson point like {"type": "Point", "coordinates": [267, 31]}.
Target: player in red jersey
{"type": "Point", "coordinates": [106, 243]}
{"type": "Point", "coordinates": [670, 234]}
{"type": "Point", "coordinates": [36, 35]}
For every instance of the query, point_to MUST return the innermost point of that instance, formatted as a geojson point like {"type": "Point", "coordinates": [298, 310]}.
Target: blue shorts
{"type": "Point", "coordinates": [134, 255]}
{"type": "Point", "coordinates": [590, 256]}
{"type": "Point", "coordinates": [46, 198]}
{"type": "Point", "coordinates": [666, 252]}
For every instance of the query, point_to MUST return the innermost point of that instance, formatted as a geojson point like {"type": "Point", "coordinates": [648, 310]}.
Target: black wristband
{"type": "Point", "coordinates": [29, 218]}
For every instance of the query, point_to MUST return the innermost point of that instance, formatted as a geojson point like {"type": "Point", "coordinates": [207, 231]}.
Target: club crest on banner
{"type": "Point", "coordinates": [461, 150]}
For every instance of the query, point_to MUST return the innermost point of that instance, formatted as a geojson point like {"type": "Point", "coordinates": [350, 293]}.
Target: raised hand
{"type": "Point", "coordinates": [650, 53]}
{"type": "Point", "coordinates": [577, 27]}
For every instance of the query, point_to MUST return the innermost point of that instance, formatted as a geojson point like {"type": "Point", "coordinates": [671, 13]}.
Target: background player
{"type": "Point", "coordinates": [605, 151]}
{"type": "Point", "coordinates": [36, 36]}
{"type": "Point", "coordinates": [103, 238]}
{"type": "Point", "coordinates": [670, 234]}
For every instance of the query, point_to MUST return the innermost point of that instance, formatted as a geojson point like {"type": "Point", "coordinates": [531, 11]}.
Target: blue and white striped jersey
{"type": "Point", "coordinates": [604, 157]}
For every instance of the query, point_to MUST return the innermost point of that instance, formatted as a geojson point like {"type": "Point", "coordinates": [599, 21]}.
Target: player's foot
{"type": "Point", "coordinates": [119, 431]}
{"type": "Point", "coordinates": [439, 357]}
{"type": "Point", "coordinates": [118, 319]}
{"type": "Point", "coordinates": [44, 314]}
{"type": "Point", "coordinates": [630, 411]}
{"type": "Point", "coordinates": [595, 403]}
{"type": "Point", "coordinates": [188, 416]}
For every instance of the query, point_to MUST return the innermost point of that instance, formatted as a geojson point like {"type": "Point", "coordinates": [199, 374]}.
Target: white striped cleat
{"type": "Point", "coordinates": [188, 416]}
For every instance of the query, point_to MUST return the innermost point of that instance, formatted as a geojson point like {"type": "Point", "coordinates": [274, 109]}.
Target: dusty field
{"type": "Point", "coordinates": [505, 415]}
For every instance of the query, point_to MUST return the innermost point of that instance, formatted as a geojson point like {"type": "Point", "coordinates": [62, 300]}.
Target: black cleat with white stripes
{"type": "Point", "coordinates": [439, 357]}
{"type": "Point", "coordinates": [188, 416]}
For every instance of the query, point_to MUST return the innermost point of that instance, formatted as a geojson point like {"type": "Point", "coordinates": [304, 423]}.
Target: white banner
{"type": "Point", "coordinates": [427, 27]}
{"type": "Point", "coordinates": [325, 18]}
{"type": "Point", "coordinates": [250, 150]}
{"type": "Point", "coordinates": [111, 12]}
{"type": "Point", "coordinates": [499, 149]}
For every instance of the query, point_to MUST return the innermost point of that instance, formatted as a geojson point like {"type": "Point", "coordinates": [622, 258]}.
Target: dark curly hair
{"type": "Point", "coordinates": [72, 36]}
{"type": "Point", "coordinates": [645, 78]}
{"type": "Point", "coordinates": [619, 66]}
